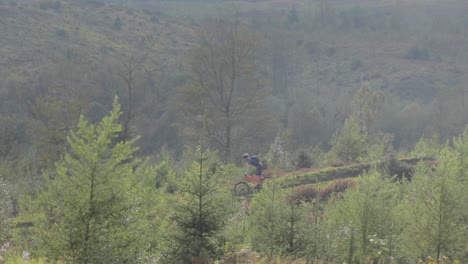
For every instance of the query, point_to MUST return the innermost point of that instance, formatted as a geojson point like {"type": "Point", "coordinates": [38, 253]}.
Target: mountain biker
{"type": "Point", "coordinates": [254, 161]}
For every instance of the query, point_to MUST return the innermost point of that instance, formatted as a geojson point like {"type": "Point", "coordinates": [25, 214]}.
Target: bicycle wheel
{"type": "Point", "coordinates": [241, 188]}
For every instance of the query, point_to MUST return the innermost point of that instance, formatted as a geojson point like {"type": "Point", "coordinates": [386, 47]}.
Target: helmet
{"type": "Point", "coordinates": [246, 155]}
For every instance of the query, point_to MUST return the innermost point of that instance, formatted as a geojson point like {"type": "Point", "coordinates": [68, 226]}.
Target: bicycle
{"type": "Point", "coordinates": [243, 187]}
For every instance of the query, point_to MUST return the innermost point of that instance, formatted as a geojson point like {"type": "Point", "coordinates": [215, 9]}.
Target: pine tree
{"type": "Point", "coordinates": [268, 212]}
{"type": "Point", "coordinates": [461, 147]}
{"type": "Point", "coordinates": [198, 215]}
{"type": "Point", "coordinates": [277, 223]}
{"type": "Point", "coordinates": [366, 213]}
{"type": "Point", "coordinates": [350, 143]}
{"type": "Point", "coordinates": [435, 209]}
{"type": "Point", "coordinates": [6, 209]}
{"type": "Point", "coordinates": [89, 208]}
{"type": "Point", "coordinates": [303, 160]}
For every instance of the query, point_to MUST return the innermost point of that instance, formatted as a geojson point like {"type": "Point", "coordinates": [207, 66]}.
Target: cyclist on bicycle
{"type": "Point", "coordinates": [254, 161]}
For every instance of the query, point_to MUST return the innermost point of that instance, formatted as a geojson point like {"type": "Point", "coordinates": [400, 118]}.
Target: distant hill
{"type": "Point", "coordinates": [414, 51]}
{"type": "Point", "coordinates": [34, 33]}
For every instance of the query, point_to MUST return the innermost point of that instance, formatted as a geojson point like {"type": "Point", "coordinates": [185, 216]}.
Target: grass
{"type": "Point", "coordinates": [20, 260]}
{"type": "Point", "coordinates": [297, 178]}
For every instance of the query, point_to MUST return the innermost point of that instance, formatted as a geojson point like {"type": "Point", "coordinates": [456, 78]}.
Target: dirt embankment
{"type": "Point", "coordinates": [395, 167]}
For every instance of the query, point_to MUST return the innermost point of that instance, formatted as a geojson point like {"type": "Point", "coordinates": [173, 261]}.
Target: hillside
{"type": "Point", "coordinates": [36, 34]}
{"type": "Point", "coordinates": [123, 124]}
{"type": "Point", "coordinates": [307, 182]}
{"type": "Point", "coordinates": [414, 52]}
{"type": "Point", "coordinates": [34, 31]}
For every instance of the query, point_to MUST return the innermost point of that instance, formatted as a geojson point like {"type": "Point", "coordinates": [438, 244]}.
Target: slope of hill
{"type": "Point", "coordinates": [36, 34]}
{"type": "Point", "coordinates": [413, 50]}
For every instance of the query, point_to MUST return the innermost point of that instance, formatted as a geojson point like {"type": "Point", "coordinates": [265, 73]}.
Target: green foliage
{"type": "Point", "coordinates": [315, 235]}
{"type": "Point", "coordinates": [20, 260]}
{"type": "Point", "coordinates": [266, 232]}
{"type": "Point", "coordinates": [277, 223]}
{"type": "Point", "coordinates": [367, 104]}
{"type": "Point", "coordinates": [303, 160]}
{"type": "Point", "coordinates": [460, 145]}
{"type": "Point", "coordinates": [306, 83]}
{"type": "Point", "coordinates": [379, 149]}
{"type": "Point", "coordinates": [435, 209]}
{"type": "Point", "coordinates": [6, 209]}
{"type": "Point", "coordinates": [198, 213]}
{"type": "Point", "coordinates": [278, 157]}
{"type": "Point", "coordinates": [320, 157]}
{"type": "Point", "coordinates": [350, 143]}
{"type": "Point", "coordinates": [237, 224]}
{"type": "Point", "coordinates": [295, 227]}
{"type": "Point", "coordinates": [21, 175]}
{"type": "Point", "coordinates": [165, 177]}
{"type": "Point", "coordinates": [427, 147]}
{"type": "Point", "coordinates": [367, 211]}
{"type": "Point", "coordinates": [89, 208]}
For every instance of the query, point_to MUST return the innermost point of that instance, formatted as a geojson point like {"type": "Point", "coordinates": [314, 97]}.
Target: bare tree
{"type": "Point", "coordinates": [57, 98]}
{"type": "Point", "coordinates": [132, 67]}
{"type": "Point", "coordinates": [223, 85]}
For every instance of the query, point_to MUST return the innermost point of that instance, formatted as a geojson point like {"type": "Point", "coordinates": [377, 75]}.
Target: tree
{"type": "Point", "coordinates": [198, 215]}
{"type": "Point", "coordinates": [277, 223]}
{"type": "Point", "coordinates": [56, 100]}
{"type": "Point", "coordinates": [350, 143]}
{"type": "Point", "coordinates": [310, 121]}
{"type": "Point", "coordinates": [367, 104]}
{"type": "Point", "coordinates": [366, 213]}
{"type": "Point", "coordinates": [6, 209]}
{"type": "Point", "coordinates": [267, 228]}
{"type": "Point", "coordinates": [461, 146]}
{"type": "Point", "coordinates": [303, 160]}
{"type": "Point", "coordinates": [278, 157]}
{"type": "Point", "coordinates": [132, 67]}
{"type": "Point", "coordinates": [88, 211]}
{"type": "Point", "coordinates": [223, 85]}
{"type": "Point", "coordinates": [435, 208]}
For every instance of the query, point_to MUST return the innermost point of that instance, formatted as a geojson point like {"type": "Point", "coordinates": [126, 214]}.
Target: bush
{"type": "Point", "coordinates": [339, 186]}
{"type": "Point", "coordinates": [307, 193]}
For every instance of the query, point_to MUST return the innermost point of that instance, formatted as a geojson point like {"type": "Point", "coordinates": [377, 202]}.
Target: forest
{"type": "Point", "coordinates": [123, 124]}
